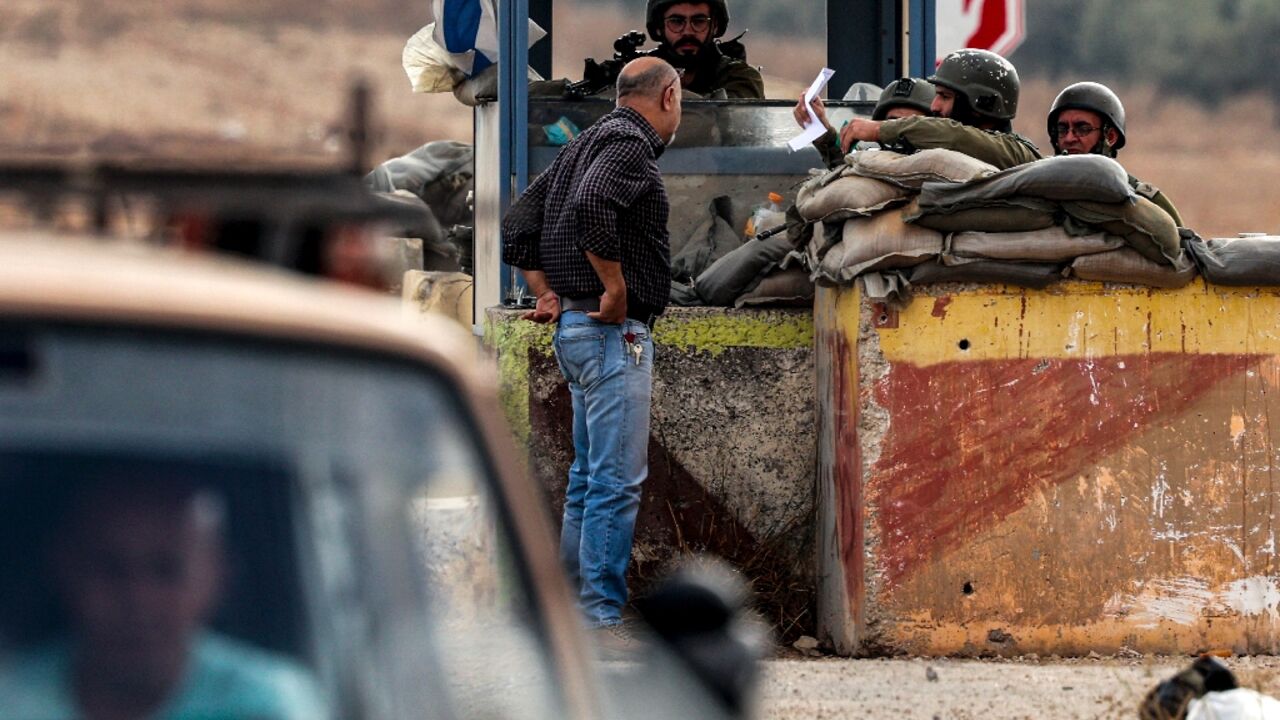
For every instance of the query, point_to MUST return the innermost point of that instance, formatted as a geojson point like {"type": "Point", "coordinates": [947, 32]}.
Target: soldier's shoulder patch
{"type": "Point", "coordinates": [1146, 190]}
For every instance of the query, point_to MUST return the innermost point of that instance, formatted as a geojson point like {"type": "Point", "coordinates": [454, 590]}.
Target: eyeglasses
{"type": "Point", "coordinates": [1080, 129]}
{"type": "Point", "coordinates": [697, 23]}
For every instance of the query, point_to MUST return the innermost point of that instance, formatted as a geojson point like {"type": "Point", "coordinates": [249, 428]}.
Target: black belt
{"type": "Point", "coordinates": [592, 304]}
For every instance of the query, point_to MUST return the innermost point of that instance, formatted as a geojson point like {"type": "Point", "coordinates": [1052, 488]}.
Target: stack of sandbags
{"type": "Point", "coordinates": [858, 203]}
{"type": "Point", "coordinates": [1072, 215]}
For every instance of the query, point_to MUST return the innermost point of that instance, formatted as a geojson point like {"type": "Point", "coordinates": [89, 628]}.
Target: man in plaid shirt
{"type": "Point", "coordinates": [590, 236]}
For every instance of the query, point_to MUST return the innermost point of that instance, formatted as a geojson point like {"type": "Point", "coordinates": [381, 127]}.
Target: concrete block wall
{"type": "Point", "coordinates": [732, 445]}
{"type": "Point", "coordinates": [1083, 468]}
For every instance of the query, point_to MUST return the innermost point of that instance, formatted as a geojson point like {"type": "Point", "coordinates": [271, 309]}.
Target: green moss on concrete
{"type": "Point", "coordinates": [512, 339]}
{"type": "Point", "coordinates": [710, 331]}
{"type": "Point", "coordinates": [713, 333]}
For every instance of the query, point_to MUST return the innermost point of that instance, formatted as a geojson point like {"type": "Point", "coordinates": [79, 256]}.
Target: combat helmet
{"type": "Point", "coordinates": [1091, 96]}
{"type": "Point", "coordinates": [988, 81]}
{"type": "Point", "coordinates": [653, 22]}
{"type": "Point", "coordinates": [907, 92]}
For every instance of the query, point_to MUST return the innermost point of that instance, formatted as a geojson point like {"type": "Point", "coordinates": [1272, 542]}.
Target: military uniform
{"type": "Point", "coordinates": [717, 71]}
{"type": "Point", "coordinates": [1004, 150]}
{"type": "Point", "coordinates": [903, 93]}
{"type": "Point", "coordinates": [1153, 193]}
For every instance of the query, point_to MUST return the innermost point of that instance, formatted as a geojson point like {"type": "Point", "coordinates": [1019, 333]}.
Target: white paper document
{"type": "Point", "coordinates": [813, 129]}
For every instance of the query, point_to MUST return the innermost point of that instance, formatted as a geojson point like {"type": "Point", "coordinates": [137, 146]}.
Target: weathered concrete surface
{"type": "Point", "coordinates": [732, 443]}
{"type": "Point", "coordinates": [1085, 468]}
{"type": "Point", "coordinates": [447, 293]}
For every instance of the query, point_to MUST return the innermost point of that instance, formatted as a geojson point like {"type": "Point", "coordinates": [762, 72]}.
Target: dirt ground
{"type": "Point", "coordinates": [814, 688]}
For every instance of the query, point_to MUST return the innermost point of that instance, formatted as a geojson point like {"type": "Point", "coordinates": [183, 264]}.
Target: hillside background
{"type": "Point", "coordinates": [235, 80]}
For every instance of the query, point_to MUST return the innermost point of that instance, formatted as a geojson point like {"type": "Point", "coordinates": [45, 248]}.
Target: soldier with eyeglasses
{"type": "Point", "coordinates": [1088, 118]}
{"type": "Point", "coordinates": [688, 37]}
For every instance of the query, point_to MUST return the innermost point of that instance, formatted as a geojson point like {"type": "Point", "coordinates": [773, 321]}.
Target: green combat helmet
{"type": "Point", "coordinates": [988, 81]}
{"type": "Point", "coordinates": [907, 92]}
{"type": "Point", "coordinates": [719, 15]}
{"type": "Point", "coordinates": [1091, 96]}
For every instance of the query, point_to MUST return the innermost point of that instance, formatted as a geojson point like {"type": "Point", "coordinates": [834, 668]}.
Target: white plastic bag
{"type": "Point", "coordinates": [428, 65]}
{"type": "Point", "coordinates": [433, 69]}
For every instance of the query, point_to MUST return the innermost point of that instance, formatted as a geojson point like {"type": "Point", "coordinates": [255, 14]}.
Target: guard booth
{"type": "Point", "coordinates": [724, 147]}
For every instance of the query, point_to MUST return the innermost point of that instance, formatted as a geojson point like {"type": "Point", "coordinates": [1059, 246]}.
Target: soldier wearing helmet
{"type": "Point", "coordinates": [907, 97]}
{"type": "Point", "coordinates": [976, 97]}
{"type": "Point", "coordinates": [1088, 117]}
{"type": "Point", "coordinates": [688, 37]}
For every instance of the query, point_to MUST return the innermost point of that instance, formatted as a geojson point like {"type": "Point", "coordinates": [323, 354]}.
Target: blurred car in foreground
{"type": "Point", "coordinates": [229, 491]}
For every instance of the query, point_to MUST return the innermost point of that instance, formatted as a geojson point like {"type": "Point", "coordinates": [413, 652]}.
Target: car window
{"type": "Point", "coordinates": [240, 528]}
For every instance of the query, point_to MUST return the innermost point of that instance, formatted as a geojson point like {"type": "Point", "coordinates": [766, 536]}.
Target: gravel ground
{"type": "Point", "coordinates": [950, 688]}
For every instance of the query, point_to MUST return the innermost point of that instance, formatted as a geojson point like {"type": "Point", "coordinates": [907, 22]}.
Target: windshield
{"type": "Point", "coordinates": [198, 526]}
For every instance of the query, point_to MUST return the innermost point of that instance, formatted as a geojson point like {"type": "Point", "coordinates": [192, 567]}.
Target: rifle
{"type": "Point", "coordinates": [597, 76]}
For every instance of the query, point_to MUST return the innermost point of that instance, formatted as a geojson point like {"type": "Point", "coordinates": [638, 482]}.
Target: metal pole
{"type": "Point", "coordinates": [922, 37]}
{"type": "Point", "coordinates": [513, 110]}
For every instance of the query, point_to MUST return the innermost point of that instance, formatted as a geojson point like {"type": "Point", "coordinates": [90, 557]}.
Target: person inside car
{"type": "Point", "coordinates": [138, 566]}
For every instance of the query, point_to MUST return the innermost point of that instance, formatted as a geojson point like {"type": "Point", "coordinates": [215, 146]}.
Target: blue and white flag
{"type": "Point", "coordinates": [468, 31]}
{"type": "Point", "coordinates": [459, 44]}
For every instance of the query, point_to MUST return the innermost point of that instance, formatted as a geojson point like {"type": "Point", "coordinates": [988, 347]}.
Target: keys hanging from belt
{"type": "Point", "coordinates": [633, 346]}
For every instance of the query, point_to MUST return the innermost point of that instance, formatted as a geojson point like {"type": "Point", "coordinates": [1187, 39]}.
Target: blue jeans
{"type": "Point", "coordinates": [611, 395]}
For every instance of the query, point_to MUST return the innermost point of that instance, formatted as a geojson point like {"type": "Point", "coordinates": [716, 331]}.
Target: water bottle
{"type": "Point", "coordinates": [767, 216]}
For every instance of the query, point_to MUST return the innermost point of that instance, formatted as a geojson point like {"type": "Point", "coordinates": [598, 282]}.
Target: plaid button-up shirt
{"type": "Point", "coordinates": [604, 195]}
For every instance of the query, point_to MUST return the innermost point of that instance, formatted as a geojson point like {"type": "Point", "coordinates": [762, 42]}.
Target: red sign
{"type": "Point", "coordinates": [996, 25]}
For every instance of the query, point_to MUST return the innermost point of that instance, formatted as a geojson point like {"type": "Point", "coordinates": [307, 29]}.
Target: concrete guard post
{"type": "Point", "coordinates": [732, 443]}
{"type": "Point", "coordinates": [1083, 468]}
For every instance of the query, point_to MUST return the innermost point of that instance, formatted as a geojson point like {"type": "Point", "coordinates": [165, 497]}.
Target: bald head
{"type": "Point", "coordinates": [651, 87]}
{"type": "Point", "coordinates": [645, 78]}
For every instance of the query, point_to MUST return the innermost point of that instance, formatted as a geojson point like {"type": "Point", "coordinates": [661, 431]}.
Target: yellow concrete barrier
{"type": "Point", "coordinates": [1083, 468]}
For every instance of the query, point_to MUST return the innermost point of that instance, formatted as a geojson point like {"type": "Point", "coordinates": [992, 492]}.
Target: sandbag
{"type": "Point", "coordinates": [1126, 265]}
{"type": "Point", "coordinates": [1145, 226]}
{"type": "Point", "coordinates": [740, 270]}
{"type": "Point", "coordinates": [840, 195]}
{"type": "Point", "coordinates": [683, 295]}
{"type": "Point", "coordinates": [415, 220]}
{"type": "Point", "coordinates": [825, 236]}
{"type": "Point", "coordinates": [1033, 275]}
{"type": "Point", "coordinates": [1236, 261]}
{"type": "Point", "coordinates": [912, 171]}
{"type": "Point", "coordinates": [441, 173]}
{"type": "Point", "coordinates": [876, 243]}
{"type": "Point", "coordinates": [1017, 215]}
{"type": "Point", "coordinates": [711, 240]}
{"type": "Point", "coordinates": [1049, 245]}
{"type": "Point", "coordinates": [790, 287]}
{"type": "Point", "coordinates": [1067, 177]}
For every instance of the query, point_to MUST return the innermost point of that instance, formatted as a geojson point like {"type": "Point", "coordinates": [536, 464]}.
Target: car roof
{"type": "Point", "coordinates": [45, 274]}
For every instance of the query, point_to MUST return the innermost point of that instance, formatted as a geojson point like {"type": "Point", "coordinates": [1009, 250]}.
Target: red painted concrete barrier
{"type": "Point", "coordinates": [1087, 468]}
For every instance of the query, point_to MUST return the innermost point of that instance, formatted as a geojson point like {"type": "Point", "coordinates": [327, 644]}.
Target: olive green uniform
{"type": "Point", "coordinates": [1153, 193]}
{"type": "Point", "coordinates": [720, 72]}
{"type": "Point", "coordinates": [1004, 150]}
